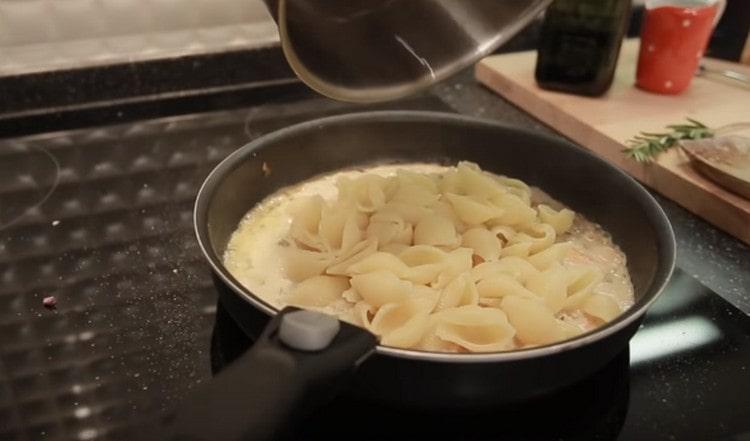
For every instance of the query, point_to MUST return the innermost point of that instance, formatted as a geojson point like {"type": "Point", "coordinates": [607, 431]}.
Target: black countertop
{"type": "Point", "coordinates": [97, 211]}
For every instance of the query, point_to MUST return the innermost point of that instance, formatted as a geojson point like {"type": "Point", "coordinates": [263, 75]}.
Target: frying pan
{"type": "Point", "coordinates": [273, 383]}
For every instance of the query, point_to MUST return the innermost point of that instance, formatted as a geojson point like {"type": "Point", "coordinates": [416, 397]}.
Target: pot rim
{"type": "Point", "coordinates": [666, 246]}
{"type": "Point", "coordinates": [375, 94]}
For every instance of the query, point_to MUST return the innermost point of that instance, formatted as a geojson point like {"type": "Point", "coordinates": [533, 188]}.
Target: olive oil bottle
{"type": "Point", "coordinates": [580, 43]}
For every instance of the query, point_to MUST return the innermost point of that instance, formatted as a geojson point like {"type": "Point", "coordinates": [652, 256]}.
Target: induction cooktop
{"type": "Point", "coordinates": [100, 218]}
{"type": "Point", "coordinates": [685, 376]}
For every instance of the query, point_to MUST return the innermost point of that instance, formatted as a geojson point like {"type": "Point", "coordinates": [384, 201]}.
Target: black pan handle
{"type": "Point", "coordinates": [299, 362]}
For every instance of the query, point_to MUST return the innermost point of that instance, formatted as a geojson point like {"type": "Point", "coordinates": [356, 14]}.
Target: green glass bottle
{"type": "Point", "coordinates": [580, 43]}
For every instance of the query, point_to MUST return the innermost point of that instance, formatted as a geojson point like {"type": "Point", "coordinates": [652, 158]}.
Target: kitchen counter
{"type": "Point", "coordinates": [111, 237]}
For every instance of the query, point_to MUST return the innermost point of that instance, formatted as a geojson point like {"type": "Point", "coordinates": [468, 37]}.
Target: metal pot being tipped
{"type": "Point", "coordinates": [378, 50]}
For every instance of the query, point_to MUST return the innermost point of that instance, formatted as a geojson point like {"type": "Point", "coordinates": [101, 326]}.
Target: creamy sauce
{"type": "Point", "coordinates": [253, 255]}
{"type": "Point", "coordinates": [254, 252]}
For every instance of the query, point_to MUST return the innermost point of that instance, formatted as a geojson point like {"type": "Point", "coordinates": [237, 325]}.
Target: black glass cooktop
{"type": "Point", "coordinates": [101, 219]}
{"type": "Point", "coordinates": [685, 376]}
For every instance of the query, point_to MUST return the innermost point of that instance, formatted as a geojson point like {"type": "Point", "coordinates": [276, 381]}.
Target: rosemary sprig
{"type": "Point", "coordinates": [646, 146]}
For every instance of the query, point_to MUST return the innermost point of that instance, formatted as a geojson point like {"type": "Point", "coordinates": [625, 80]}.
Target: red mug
{"type": "Point", "coordinates": [674, 35]}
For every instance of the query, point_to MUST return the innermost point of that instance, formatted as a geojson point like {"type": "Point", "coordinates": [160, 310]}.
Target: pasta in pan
{"type": "Point", "coordinates": [450, 259]}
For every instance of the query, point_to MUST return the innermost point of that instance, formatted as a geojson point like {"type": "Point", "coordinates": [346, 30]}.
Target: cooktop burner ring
{"type": "Point", "coordinates": [28, 179]}
{"type": "Point", "coordinates": [594, 408]}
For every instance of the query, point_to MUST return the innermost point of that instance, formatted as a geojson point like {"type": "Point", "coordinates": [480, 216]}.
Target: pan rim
{"type": "Point", "coordinates": [666, 247]}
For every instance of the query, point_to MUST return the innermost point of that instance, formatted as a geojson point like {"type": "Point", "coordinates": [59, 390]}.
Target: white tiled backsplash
{"type": "Point", "coordinates": [39, 35]}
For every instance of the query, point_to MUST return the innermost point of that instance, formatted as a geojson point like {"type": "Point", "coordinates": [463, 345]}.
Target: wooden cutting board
{"type": "Point", "coordinates": [603, 125]}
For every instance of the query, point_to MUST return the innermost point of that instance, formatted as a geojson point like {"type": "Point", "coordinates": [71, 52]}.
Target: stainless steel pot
{"type": "Point", "coordinates": [265, 389]}
{"type": "Point", "coordinates": [377, 50]}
